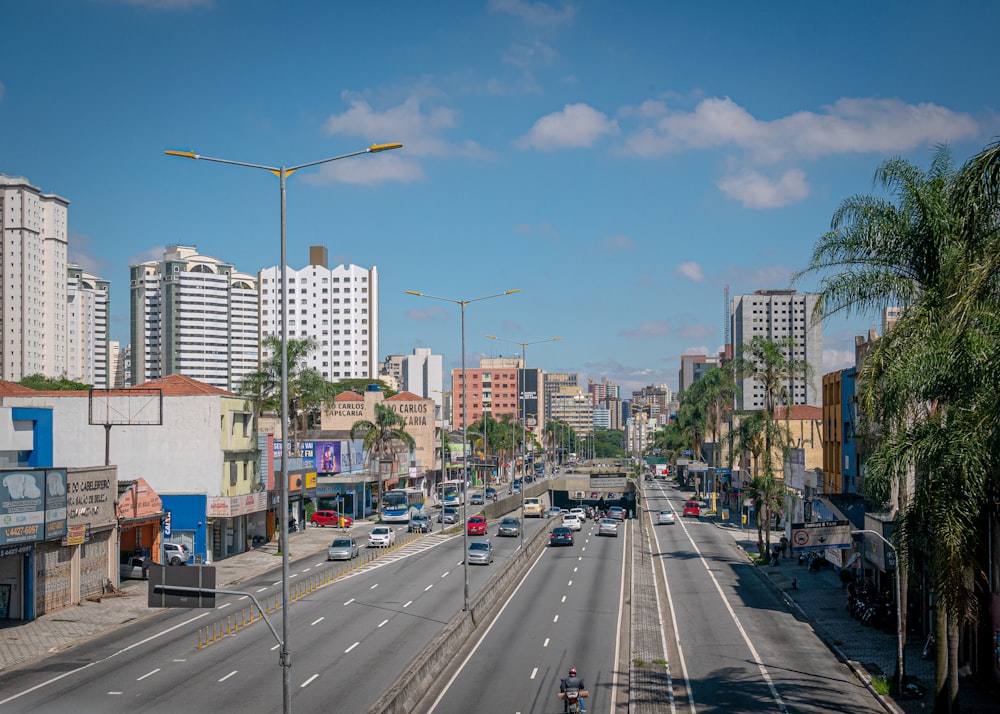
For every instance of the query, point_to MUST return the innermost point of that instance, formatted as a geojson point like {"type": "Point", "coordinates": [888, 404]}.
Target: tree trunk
{"type": "Point", "coordinates": [953, 639]}
{"type": "Point", "coordinates": [942, 704]}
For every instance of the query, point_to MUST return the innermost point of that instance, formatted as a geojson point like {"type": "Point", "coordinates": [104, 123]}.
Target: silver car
{"type": "Point", "coordinates": [343, 549]}
{"type": "Point", "coordinates": [480, 552]}
{"type": "Point", "coordinates": [509, 527]}
{"type": "Point", "coordinates": [607, 526]}
{"type": "Point", "coordinates": [448, 514]}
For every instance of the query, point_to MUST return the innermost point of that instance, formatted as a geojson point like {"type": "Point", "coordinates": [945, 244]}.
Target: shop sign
{"type": "Point", "coordinates": [55, 503]}
{"type": "Point", "coordinates": [232, 506]}
{"type": "Point", "coordinates": [19, 549]}
{"type": "Point", "coordinates": [76, 535]}
{"type": "Point", "coordinates": [22, 506]}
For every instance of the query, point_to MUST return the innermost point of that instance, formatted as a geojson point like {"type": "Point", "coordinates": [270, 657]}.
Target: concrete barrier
{"type": "Point", "coordinates": [416, 681]}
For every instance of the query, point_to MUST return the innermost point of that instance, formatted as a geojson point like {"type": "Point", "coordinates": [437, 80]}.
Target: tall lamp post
{"type": "Point", "coordinates": [283, 173]}
{"type": "Point", "coordinates": [465, 432]}
{"type": "Point", "coordinates": [524, 425]}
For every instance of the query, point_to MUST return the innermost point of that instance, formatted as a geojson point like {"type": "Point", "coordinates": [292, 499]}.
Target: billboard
{"type": "Point", "coordinates": [32, 505]}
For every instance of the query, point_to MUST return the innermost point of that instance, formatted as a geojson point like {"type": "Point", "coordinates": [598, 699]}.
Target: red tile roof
{"type": "Point", "coordinates": [800, 412]}
{"type": "Point", "coordinates": [173, 385]}
{"type": "Point", "coordinates": [348, 396]}
{"type": "Point", "coordinates": [405, 397]}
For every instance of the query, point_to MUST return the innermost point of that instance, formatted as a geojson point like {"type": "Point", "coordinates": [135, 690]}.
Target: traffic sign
{"type": "Point", "coordinates": [821, 535]}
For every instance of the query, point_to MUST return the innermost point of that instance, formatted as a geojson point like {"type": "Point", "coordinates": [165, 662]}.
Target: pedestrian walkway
{"type": "Point", "coordinates": [821, 599]}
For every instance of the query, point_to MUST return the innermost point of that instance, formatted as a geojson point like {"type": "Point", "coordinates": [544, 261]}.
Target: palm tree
{"type": "Point", "coordinates": [383, 438]}
{"type": "Point", "coordinates": [929, 386]}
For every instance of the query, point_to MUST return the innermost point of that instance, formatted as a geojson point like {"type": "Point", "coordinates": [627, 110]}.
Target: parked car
{"type": "Point", "coordinates": [607, 526]}
{"type": "Point", "coordinates": [480, 552]}
{"type": "Point", "coordinates": [692, 508]}
{"type": "Point", "coordinates": [561, 535]}
{"type": "Point", "coordinates": [330, 518]}
{"type": "Point", "coordinates": [133, 566]}
{"type": "Point", "coordinates": [476, 525]}
{"type": "Point", "coordinates": [553, 511]}
{"type": "Point", "coordinates": [381, 537]}
{"type": "Point", "coordinates": [448, 514]}
{"type": "Point", "coordinates": [346, 548]}
{"type": "Point", "coordinates": [477, 499]}
{"type": "Point", "coordinates": [509, 527]}
{"type": "Point", "coordinates": [420, 523]}
{"type": "Point", "coordinates": [176, 554]}
{"type": "Point", "coordinates": [665, 517]}
{"type": "Point", "coordinates": [616, 512]}
{"type": "Point", "coordinates": [572, 521]}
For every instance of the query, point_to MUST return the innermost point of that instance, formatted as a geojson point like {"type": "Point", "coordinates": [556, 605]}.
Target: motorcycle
{"type": "Point", "coordinates": [292, 525]}
{"type": "Point", "coordinates": [572, 698]}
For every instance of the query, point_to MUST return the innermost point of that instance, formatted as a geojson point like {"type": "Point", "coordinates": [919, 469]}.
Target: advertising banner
{"type": "Point", "coordinates": [55, 503]}
{"type": "Point", "coordinates": [22, 506]}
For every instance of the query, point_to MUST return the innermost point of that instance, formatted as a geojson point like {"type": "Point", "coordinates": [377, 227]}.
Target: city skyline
{"type": "Point", "coordinates": [618, 168]}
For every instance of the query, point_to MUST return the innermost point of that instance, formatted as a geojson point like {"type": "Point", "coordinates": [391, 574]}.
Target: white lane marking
{"type": "Point", "coordinates": [546, 643]}
{"type": "Point", "coordinates": [115, 693]}
{"type": "Point", "coordinates": [308, 681]}
{"type": "Point", "coordinates": [275, 647]}
{"type": "Point", "coordinates": [351, 647]}
{"type": "Point", "coordinates": [445, 574]}
{"type": "Point", "coordinates": [428, 587]}
{"type": "Point", "coordinates": [320, 564]}
{"type": "Point", "coordinates": [533, 673]}
{"type": "Point", "coordinates": [294, 575]}
{"type": "Point", "coordinates": [180, 660]}
{"type": "Point", "coordinates": [306, 570]}
{"type": "Point", "coordinates": [260, 590]}
{"type": "Point", "coordinates": [382, 623]}
{"type": "Point", "coordinates": [563, 599]}
{"type": "Point", "coordinates": [349, 601]}
{"type": "Point", "coordinates": [569, 584]}
{"type": "Point", "coordinates": [243, 598]}
{"type": "Point", "coordinates": [408, 603]}
{"type": "Point", "coordinates": [147, 674]}
{"type": "Point", "coordinates": [555, 619]}
{"type": "Point", "coordinates": [575, 568]}
{"type": "Point", "coordinates": [373, 586]}
{"type": "Point", "coordinates": [100, 661]}
{"type": "Point", "coordinates": [316, 622]}
{"type": "Point", "coordinates": [221, 607]}
{"type": "Point", "coordinates": [276, 582]}
{"type": "Point", "coordinates": [228, 676]}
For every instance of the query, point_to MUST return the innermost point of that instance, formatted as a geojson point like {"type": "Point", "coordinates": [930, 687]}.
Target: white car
{"type": "Point", "coordinates": [572, 521]}
{"type": "Point", "coordinates": [665, 517]}
{"type": "Point", "coordinates": [381, 537]}
{"type": "Point", "coordinates": [581, 513]}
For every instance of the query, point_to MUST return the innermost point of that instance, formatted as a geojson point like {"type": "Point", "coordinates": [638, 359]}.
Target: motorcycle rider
{"type": "Point", "coordinates": [572, 682]}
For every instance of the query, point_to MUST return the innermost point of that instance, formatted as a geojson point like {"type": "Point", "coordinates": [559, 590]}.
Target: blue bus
{"type": "Point", "coordinates": [402, 504]}
{"type": "Point", "coordinates": [450, 492]}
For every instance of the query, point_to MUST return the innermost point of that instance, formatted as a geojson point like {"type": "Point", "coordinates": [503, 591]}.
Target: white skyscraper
{"type": "Point", "coordinates": [337, 307]}
{"type": "Point", "coordinates": [87, 299]}
{"type": "Point", "coordinates": [776, 315]}
{"type": "Point", "coordinates": [420, 373]}
{"type": "Point", "coordinates": [193, 315]}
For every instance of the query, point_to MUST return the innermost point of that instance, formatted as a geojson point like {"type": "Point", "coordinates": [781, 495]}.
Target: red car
{"type": "Point", "coordinates": [477, 525]}
{"type": "Point", "coordinates": [692, 508]}
{"type": "Point", "coordinates": [330, 518]}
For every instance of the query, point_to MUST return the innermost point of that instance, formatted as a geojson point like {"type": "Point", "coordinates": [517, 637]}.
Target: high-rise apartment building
{"type": "Point", "coordinates": [552, 382]}
{"type": "Point", "coordinates": [336, 307]}
{"type": "Point", "coordinates": [193, 315]}
{"type": "Point", "coordinates": [571, 405]}
{"type": "Point", "coordinates": [419, 373]}
{"type": "Point", "coordinates": [87, 358]}
{"type": "Point", "coordinates": [489, 390]}
{"type": "Point", "coordinates": [778, 315]}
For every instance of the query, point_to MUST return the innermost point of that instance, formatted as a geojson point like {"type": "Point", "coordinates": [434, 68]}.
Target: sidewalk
{"type": "Point", "coordinates": [23, 642]}
{"type": "Point", "coordinates": [821, 599]}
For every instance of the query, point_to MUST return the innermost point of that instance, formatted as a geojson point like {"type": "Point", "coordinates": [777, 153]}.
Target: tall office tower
{"type": "Point", "coordinates": [32, 281]}
{"type": "Point", "coordinates": [571, 405]}
{"type": "Point", "coordinates": [193, 315]}
{"type": "Point", "coordinates": [777, 315]}
{"type": "Point", "coordinates": [419, 373]}
{"type": "Point", "coordinates": [337, 307]}
{"type": "Point", "coordinates": [552, 382]}
{"type": "Point", "coordinates": [87, 358]}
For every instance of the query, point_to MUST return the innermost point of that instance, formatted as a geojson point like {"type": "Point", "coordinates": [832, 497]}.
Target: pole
{"type": "Point", "coordinates": [465, 468]}
{"type": "Point", "coordinates": [524, 481]}
{"type": "Point", "coordinates": [899, 612]}
{"type": "Point", "coordinates": [286, 657]}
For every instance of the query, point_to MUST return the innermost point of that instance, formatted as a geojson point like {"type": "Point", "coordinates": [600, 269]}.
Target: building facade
{"type": "Point", "coordinates": [87, 346]}
{"type": "Point", "coordinates": [779, 315]}
{"type": "Point", "coordinates": [336, 307]}
{"type": "Point", "coordinates": [195, 316]}
{"type": "Point", "coordinates": [419, 373]}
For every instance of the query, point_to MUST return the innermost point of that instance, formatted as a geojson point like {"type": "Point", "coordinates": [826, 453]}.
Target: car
{"type": "Point", "coordinates": [477, 499]}
{"type": "Point", "coordinates": [420, 523]}
{"type": "Point", "coordinates": [692, 508]}
{"type": "Point", "coordinates": [647, 477]}
{"type": "Point", "coordinates": [345, 548]}
{"type": "Point", "coordinates": [381, 537]}
{"type": "Point", "coordinates": [476, 525]}
{"type": "Point", "coordinates": [491, 493]}
{"type": "Point", "coordinates": [509, 527]}
{"type": "Point", "coordinates": [665, 517]}
{"type": "Point", "coordinates": [480, 552]}
{"type": "Point", "coordinates": [561, 536]}
{"type": "Point", "coordinates": [616, 512]}
{"type": "Point", "coordinates": [607, 526]}
{"type": "Point", "coordinates": [533, 507]}
{"type": "Point", "coordinates": [330, 518]}
{"type": "Point", "coordinates": [572, 521]}
{"type": "Point", "coordinates": [133, 566]}
{"type": "Point", "coordinates": [553, 511]}
{"type": "Point", "coordinates": [580, 512]}
{"type": "Point", "coordinates": [448, 514]}
{"type": "Point", "coordinates": [176, 554]}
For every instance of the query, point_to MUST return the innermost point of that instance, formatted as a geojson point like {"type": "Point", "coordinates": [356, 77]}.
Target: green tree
{"type": "Point", "coordinates": [383, 437]}
{"type": "Point", "coordinates": [43, 383]}
{"type": "Point", "coordinates": [928, 388]}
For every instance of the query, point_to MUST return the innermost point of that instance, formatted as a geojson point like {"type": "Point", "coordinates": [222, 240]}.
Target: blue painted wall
{"type": "Point", "coordinates": [187, 513]}
{"type": "Point", "coordinates": [41, 455]}
{"type": "Point", "coordinates": [849, 457]}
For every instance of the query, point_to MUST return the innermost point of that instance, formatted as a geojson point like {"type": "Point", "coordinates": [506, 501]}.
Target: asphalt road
{"type": "Point", "coordinates": [734, 646]}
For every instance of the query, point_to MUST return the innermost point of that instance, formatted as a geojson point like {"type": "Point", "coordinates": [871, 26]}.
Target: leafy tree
{"type": "Point", "coordinates": [383, 438]}
{"type": "Point", "coordinates": [43, 383]}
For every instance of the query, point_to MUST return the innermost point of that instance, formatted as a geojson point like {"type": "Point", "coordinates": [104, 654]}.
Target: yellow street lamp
{"type": "Point", "coordinates": [283, 173]}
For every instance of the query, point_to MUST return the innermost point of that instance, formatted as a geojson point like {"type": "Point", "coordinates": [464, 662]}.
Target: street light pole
{"type": "Point", "coordinates": [524, 419]}
{"type": "Point", "coordinates": [283, 173]}
{"type": "Point", "coordinates": [465, 431]}
{"type": "Point", "coordinates": [899, 613]}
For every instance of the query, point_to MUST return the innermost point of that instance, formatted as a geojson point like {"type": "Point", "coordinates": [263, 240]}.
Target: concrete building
{"type": "Point", "coordinates": [571, 405]}
{"type": "Point", "coordinates": [87, 355]}
{"type": "Point", "coordinates": [419, 373]}
{"type": "Point", "coordinates": [337, 307]}
{"type": "Point", "coordinates": [776, 315]}
{"type": "Point", "coordinates": [490, 390]}
{"type": "Point", "coordinates": [193, 315]}
{"type": "Point", "coordinates": [692, 369]}
{"type": "Point", "coordinates": [552, 382]}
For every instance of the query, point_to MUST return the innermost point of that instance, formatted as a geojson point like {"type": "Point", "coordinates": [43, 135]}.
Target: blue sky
{"type": "Point", "coordinates": [617, 162]}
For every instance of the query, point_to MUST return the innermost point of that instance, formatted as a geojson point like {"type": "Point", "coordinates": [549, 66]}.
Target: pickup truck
{"type": "Point", "coordinates": [133, 566]}
{"type": "Point", "coordinates": [533, 508]}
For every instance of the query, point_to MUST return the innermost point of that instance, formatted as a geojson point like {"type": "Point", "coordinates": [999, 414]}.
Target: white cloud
{"type": "Point", "coordinates": [834, 360]}
{"type": "Point", "coordinates": [647, 330]}
{"type": "Point", "coordinates": [616, 243]}
{"type": "Point", "coordinates": [576, 126]}
{"type": "Point", "coordinates": [691, 271]}
{"type": "Point", "coordinates": [696, 331]}
{"type": "Point", "coordinates": [754, 190]}
{"type": "Point", "coordinates": [535, 13]}
{"type": "Point", "coordinates": [367, 171]}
